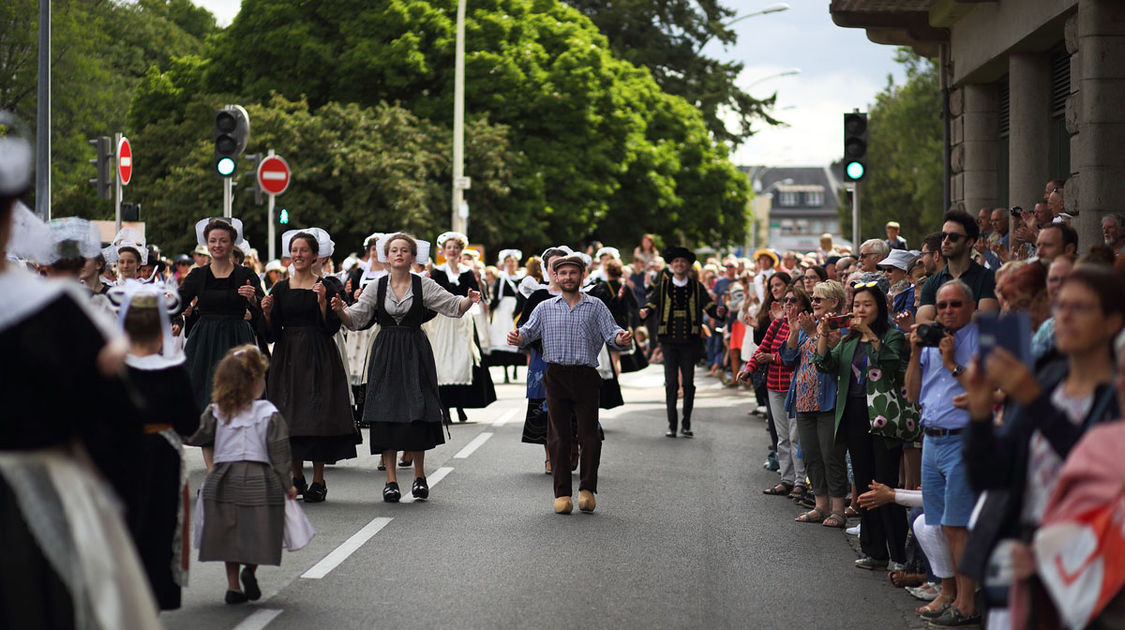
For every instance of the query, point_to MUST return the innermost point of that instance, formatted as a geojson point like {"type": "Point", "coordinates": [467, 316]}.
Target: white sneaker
{"type": "Point", "coordinates": [853, 531]}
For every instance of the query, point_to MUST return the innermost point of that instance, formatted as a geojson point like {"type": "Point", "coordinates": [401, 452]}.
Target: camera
{"type": "Point", "coordinates": [931, 334]}
{"type": "Point", "coordinates": [1016, 211]}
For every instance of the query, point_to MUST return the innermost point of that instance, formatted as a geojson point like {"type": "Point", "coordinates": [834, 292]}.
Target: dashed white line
{"type": "Point", "coordinates": [472, 446]}
{"type": "Point", "coordinates": [505, 417]}
{"type": "Point", "coordinates": [349, 546]}
{"type": "Point", "coordinates": [260, 619]}
{"type": "Point", "coordinates": [432, 480]}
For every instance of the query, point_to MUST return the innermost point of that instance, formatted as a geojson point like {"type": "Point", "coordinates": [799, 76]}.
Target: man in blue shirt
{"type": "Point", "coordinates": [573, 328]}
{"type": "Point", "coordinates": [934, 378]}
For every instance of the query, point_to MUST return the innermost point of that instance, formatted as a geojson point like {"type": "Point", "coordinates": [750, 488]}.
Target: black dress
{"type": "Point", "coordinates": [403, 406]}
{"type": "Point", "coordinates": [307, 380]}
{"type": "Point", "coordinates": [506, 305]}
{"type": "Point", "coordinates": [168, 410]}
{"type": "Point", "coordinates": [221, 325]}
{"type": "Point", "coordinates": [57, 403]}
{"type": "Point", "coordinates": [481, 392]}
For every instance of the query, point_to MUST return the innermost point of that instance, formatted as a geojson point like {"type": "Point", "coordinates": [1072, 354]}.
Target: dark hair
{"type": "Point", "coordinates": [314, 244]}
{"type": "Point", "coordinates": [219, 224]}
{"type": "Point", "coordinates": [882, 321]}
{"type": "Point", "coordinates": [553, 252]}
{"type": "Point", "coordinates": [613, 269]}
{"type": "Point", "coordinates": [143, 324]}
{"type": "Point", "coordinates": [798, 291]}
{"type": "Point", "coordinates": [933, 241]}
{"type": "Point", "coordinates": [764, 311]}
{"type": "Point", "coordinates": [1103, 281]}
{"type": "Point", "coordinates": [1099, 255]}
{"type": "Point", "coordinates": [69, 265]}
{"type": "Point", "coordinates": [1069, 234]}
{"type": "Point", "coordinates": [820, 272]}
{"type": "Point", "coordinates": [99, 263]}
{"type": "Point", "coordinates": [966, 220]}
{"type": "Point", "coordinates": [133, 250]}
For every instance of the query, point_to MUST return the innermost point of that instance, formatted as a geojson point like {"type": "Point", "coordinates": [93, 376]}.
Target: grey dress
{"type": "Point", "coordinates": [244, 500]}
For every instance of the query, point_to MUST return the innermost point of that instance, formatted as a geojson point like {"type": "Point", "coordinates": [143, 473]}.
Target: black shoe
{"type": "Point", "coordinates": [382, 467]}
{"type": "Point", "coordinates": [316, 493]}
{"type": "Point", "coordinates": [236, 597]}
{"type": "Point", "coordinates": [301, 485]}
{"type": "Point", "coordinates": [391, 493]}
{"type": "Point", "coordinates": [670, 433]}
{"type": "Point", "coordinates": [686, 432]}
{"type": "Point", "coordinates": [461, 416]}
{"type": "Point", "coordinates": [250, 585]}
{"type": "Point", "coordinates": [421, 489]}
{"type": "Point", "coordinates": [405, 464]}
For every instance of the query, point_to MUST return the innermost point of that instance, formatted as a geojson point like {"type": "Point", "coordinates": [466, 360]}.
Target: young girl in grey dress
{"type": "Point", "coordinates": [246, 448]}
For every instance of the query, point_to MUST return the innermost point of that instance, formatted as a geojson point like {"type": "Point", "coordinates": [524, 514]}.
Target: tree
{"type": "Point", "coordinates": [668, 37]}
{"type": "Point", "coordinates": [904, 155]}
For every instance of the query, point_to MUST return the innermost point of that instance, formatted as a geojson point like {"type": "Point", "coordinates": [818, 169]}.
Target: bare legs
{"type": "Point", "coordinates": [419, 458]}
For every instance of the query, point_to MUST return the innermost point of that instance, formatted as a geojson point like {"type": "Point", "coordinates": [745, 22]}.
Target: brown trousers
{"type": "Point", "coordinates": [573, 389]}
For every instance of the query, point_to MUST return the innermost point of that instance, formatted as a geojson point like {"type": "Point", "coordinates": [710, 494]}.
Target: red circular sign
{"type": "Point", "coordinates": [124, 161]}
{"type": "Point", "coordinates": [273, 175]}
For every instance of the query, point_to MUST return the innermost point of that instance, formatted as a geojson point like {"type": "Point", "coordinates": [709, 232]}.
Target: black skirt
{"type": "Point", "coordinates": [209, 341]}
{"type": "Point", "coordinates": [154, 520]}
{"type": "Point", "coordinates": [535, 423]}
{"type": "Point", "coordinates": [403, 406]}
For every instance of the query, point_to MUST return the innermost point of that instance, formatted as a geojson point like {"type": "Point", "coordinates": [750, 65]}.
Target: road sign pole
{"type": "Point", "coordinates": [458, 222]}
{"type": "Point", "coordinates": [227, 188]}
{"type": "Point", "coordinates": [269, 213]}
{"type": "Point", "coordinates": [117, 188]}
{"type": "Point", "coordinates": [855, 218]}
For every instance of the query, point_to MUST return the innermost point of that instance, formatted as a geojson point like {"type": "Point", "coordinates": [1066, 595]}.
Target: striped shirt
{"type": "Point", "coordinates": [571, 336]}
{"type": "Point", "coordinates": [777, 373]}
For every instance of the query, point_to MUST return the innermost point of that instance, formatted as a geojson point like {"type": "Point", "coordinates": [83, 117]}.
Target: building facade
{"type": "Point", "coordinates": [794, 205]}
{"type": "Point", "coordinates": [1034, 91]}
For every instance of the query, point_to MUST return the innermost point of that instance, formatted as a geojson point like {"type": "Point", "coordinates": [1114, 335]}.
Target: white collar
{"type": "Point", "coordinates": [454, 274]}
{"type": "Point", "coordinates": [22, 294]}
{"type": "Point", "coordinates": [680, 283]}
{"type": "Point", "coordinates": [154, 362]}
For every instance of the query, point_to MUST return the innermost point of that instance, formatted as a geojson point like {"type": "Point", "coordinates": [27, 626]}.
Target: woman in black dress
{"type": "Point", "coordinates": [403, 405]}
{"type": "Point", "coordinates": [169, 415]}
{"type": "Point", "coordinates": [307, 380]}
{"type": "Point", "coordinates": [224, 294]}
{"type": "Point", "coordinates": [464, 381]}
{"type": "Point", "coordinates": [505, 305]}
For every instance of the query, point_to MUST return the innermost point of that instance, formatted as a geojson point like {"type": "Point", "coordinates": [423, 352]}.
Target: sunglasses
{"type": "Point", "coordinates": [790, 300]}
{"type": "Point", "coordinates": [950, 304]}
{"type": "Point", "coordinates": [953, 237]}
{"type": "Point", "coordinates": [864, 285]}
{"type": "Point", "coordinates": [816, 299]}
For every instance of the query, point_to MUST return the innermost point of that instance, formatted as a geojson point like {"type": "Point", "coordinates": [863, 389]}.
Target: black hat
{"type": "Point", "coordinates": [184, 258]}
{"type": "Point", "coordinates": [673, 253]}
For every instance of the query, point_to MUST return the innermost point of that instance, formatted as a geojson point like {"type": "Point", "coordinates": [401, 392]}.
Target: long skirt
{"type": "Point", "coordinates": [403, 406]}
{"type": "Point", "coordinates": [309, 386]}
{"type": "Point", "coordinates": [503, 322]}
{"type": "Point", "coordinates": [462, 377]}
{"type": "Point", "coordinates": [209, 341]}
{"type": "Point", "coordinates": [157, 521]}
{"type": "Point", "coordinates": [535, 421]}
{"type": "Point", "coordinates": [243, 514]}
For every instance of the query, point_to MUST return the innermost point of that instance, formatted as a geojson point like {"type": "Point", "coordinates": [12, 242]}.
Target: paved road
{"type": "Point", "coordinates": [682, 538]}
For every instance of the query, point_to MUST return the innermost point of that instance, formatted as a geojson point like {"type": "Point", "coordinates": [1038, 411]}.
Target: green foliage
{"type": "Point", "coordinates": [904, 154]}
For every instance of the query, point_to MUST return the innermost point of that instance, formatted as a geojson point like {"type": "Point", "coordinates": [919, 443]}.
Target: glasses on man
{"type": "Point", "coordinates": [866, 254]}
{"type": "Point", "coordinates": [791, 300]}
{"type": "Point", "coordinates": [952, 237]}
{"type": "Point", "coordinates": [941, 306]}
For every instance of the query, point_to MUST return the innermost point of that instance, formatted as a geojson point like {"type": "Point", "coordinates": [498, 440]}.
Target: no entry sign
{"type": "Point", "coordinates": [124, 161]}
{"type": "Point", "coordinates": [273, 175]}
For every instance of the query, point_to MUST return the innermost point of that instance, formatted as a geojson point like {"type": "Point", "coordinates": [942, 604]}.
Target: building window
{"type": "Point", "coordinates": [788, 199]}
{"type": "Point", "coordinates": [814, 198]}
{"type": "Point", "coordinates": [1059, 143]}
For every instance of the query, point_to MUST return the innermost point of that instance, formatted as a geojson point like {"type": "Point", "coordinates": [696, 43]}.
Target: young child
{"type": "Point", "coordinates": [246, 448]}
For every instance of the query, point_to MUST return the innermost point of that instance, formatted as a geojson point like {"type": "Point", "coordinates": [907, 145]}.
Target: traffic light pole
{"type": "Point", "coordinates": [117, 188]}
{"type": "Point", "coordinates": [227, 193]}
{"type": "Point", "coordinates": [855, 217]}
{"type": "Point", "coordinates": [269, 214]}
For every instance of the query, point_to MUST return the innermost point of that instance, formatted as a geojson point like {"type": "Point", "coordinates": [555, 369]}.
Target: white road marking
{"type": "Point", "coordinates": [349, 546]}
{"type": "Point", "coordinates": [472, 446]}
{"type": "Point", "coordinates": [432, 480]}
{"type": "Point", "coordinates": [505, 417]}
{"type": "Point", "coordinates": [260, 619]}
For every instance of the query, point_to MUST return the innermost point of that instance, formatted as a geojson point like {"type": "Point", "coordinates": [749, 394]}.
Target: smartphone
{"type": "Point", "coordinates": [839, 321]}
{"type": "Point", "coordinates": [1011, 332]}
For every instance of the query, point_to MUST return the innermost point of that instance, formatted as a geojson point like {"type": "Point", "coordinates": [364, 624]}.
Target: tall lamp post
{"type": "Point", "coordinates": [460, 182]}
{"type": "Point", "coordinates": [43, 116]}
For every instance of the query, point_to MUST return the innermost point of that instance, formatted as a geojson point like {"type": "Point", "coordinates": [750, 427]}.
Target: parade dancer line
{"type": "Point", "coordinates": [573, 327]}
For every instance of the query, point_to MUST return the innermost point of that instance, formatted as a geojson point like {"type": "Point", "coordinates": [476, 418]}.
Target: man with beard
{"type": "Point", "coordinates": [959, 231]}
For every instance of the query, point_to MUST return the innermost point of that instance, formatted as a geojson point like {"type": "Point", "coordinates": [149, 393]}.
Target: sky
{"type": "Point", "coordinates": [840, 70]}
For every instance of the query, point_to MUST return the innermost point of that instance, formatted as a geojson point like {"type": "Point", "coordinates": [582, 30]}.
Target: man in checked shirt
{"type": "Point", "coordinates": [572, 327]}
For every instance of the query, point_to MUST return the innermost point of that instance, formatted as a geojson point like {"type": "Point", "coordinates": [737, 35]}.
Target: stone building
{"type": "Point", "coordinates": [1034, 91]}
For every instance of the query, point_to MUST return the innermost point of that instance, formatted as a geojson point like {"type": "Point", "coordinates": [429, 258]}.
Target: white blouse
{"type": "Point", "coordinates": [243, 439]}
{"type": "Point", "coordinates": [434, 298]}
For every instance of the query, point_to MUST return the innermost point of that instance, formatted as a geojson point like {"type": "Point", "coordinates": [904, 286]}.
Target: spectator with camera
{"type": "Point", "coordinates": [959, 231]}
{"type": "Point", "coordinates": [940, 353]}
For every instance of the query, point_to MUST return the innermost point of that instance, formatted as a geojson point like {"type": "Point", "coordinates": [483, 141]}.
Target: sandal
{"type": "Point", "coordinates": [815, 515]}
{"type": "Point", "coordinates": [547, 466]}
{"type": "Point", "coordinates": [903, 579]}
{"type": "Point", "coordinates": [779, 490]}
{"type": "Point", "coordinates": [836, 520]}
{"type": "Point", "coordinates": [851, 512]}
{"type": "Point", "coordinates": [798, 492]}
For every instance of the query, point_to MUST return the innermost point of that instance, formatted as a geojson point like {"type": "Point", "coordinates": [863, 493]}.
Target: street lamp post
{"type": "Point", "coordinates": [784, 73]}
{"type": "Point", "coordinates": [459, 217]}
{"type": "Point", "coordinates": [773, 8]}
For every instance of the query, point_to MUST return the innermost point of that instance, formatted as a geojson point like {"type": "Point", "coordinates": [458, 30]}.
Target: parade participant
{"type": "Point", "coordinates": [246, 449]}
{"type": "Point", "coordinates": [646, 251]}
{"type": "Point", "coordinates": [308, 383]}
{"type": "Point", "coordinates": [463, 379]}
{"type": "Point", "coordinates": [573, 328]}
{"type": "Point", "coordinates": [535, 420]}
{"type": "Point", "coordinates": [602, 258]}
{"type": "Point", "coordinates": [506, 305]}
{"type": "Point", "coordinates": [128, 253]}
{"type": "Point", "coordinates": [358, 343]}
{"type": "Point", "coordinates": [679, 302]}
{"type": "Point", "coordinates": [56, 452]}
{"type": "Point", "coordinates": [870, 351]}
{"type": "Point", "coordinates": [158, 520]}
{"type": "Point", "coordinates": [403, 403]}
{"type": "Point", "coordinates": [534, 278]}
{"type": "Point", "coordinates": [224, 292]}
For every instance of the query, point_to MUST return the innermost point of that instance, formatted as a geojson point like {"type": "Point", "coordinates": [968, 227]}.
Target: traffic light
{"type": "Point", "coordinates": [283, 218]}
{"type": "Point", "coordinates": [103, 153]}
{"type": "Point", "coordinates": [130, 211]}
{"type": "Point", "coordinates": [855, 146]}
{"type": "Point", "coordinates": [254, 159]}
{"type": "Point", "coordinates": [232, 132]}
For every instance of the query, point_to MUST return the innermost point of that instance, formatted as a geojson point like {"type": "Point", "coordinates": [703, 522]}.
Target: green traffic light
{"type": "Point", "coordinates": [854, 170]}
{"type": "Point", "coordinates": [225, 166]}
{"type": "Point", "coordinates": [284, 218]}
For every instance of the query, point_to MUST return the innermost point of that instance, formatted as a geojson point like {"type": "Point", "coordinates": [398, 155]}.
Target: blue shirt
{"type": "Point", "coordinates": [571, 336]}
{"type": "Point", "coordinates": [938, 385]}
